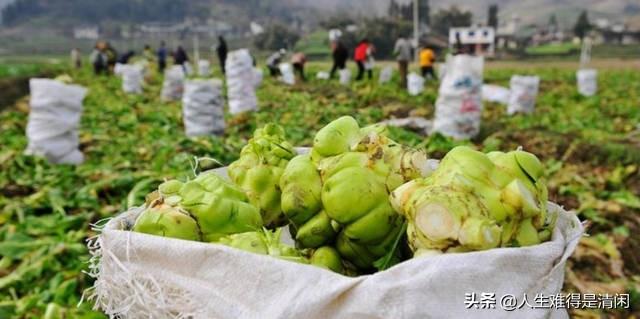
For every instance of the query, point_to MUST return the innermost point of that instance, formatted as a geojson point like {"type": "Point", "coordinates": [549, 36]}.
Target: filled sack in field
{"type": "Point", "coordinates": [286, 73]}
{"type": "Point", "coordinates": [132, 78]}
{"type": "Point", "coordinates": [204, 68]}
{"type": "Point", "coordinates": [241, 82]}
{"type": "Point", "coordinates": [203, 107]}
{"type": "Point", "coordinates": [459, 104]}
{"type": "Point", "coordinates": [495, 93]}
{"type": "Point", "coordinates": [173, 84]}
{"type": "Point", "coordinates": [322, 75]}
{"type": "Point", "coordinates": [524, 91]}
{"type": "Point", "coordinates": [415, 84]}
{"type": "Point", "coordinates": [385, 74]}
{"type": "Point", "coordinates": [587, 82]}
{"type": "Point", "coordinates": [54, 117]}
{"type": "Point", "coordinates": [145, 276]}
{"type": "Point", "coordinates": [345, 76]}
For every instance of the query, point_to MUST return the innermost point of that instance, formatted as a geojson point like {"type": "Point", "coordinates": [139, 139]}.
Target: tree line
{"type": "Point", "coordinates": [83, 11]}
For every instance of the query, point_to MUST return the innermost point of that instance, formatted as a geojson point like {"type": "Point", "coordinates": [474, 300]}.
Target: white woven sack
{"type": "Point", "coordinates": [286, 71]}
{"type": "Point", "coordinates": [203, 107]}
{"type": "Point", "coordinates": [204, 68]}
{"type": "Point", "coordinates": [173, 84]}
{"type": "Point", "coordinates": [587, 82]}
{"type": "Point", "coordinates": [415, 84]}
{"type": "Point", "coordinates": [242, 81]}
{"type": "Point", "coordinates": [345, 76]}
{"type": "Point", "coordinates": [495, 93]}
{"type": "Point", "coordinates": [132, 78]}
{"type": "Point", "coordinates": [459, 104]}
{"type": "Point", "coordinates": [385, 74]}
{"type": "Point", "coordinates": [144, 276]}
{"type": "Point", "coordinates": [524, 91]}
{"type": "Point", "coordinates": [322, 75]}
{"type": "Point", "coordinates": [54, 118]}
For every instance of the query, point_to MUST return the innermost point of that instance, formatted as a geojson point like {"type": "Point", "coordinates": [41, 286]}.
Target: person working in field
{"type": "Point", "coordinates": [298, 60]}
{"type": "Point", "coordinates": [340, 55]}
{"type": "Point", "coordinates": [124, 58]}
{"type": "Point", "coordinates": [427, 58]}
{"type": "Point", "coordinates": [162, 57]}
{"type": "Point", "coordinates": [112, 57]}
{"type": "Point", "coordinates": [402, 51]}
{"type": "Point", "coordinates": [222, 51]}
{"type": "Point", "coordinates": [98, 58]}
{"type": "Point", "coordinates": [181, 58]}
{"type": "Point", "coordinates": [360, 56]}
{"type": "Point", "coordinates": [274, 60]}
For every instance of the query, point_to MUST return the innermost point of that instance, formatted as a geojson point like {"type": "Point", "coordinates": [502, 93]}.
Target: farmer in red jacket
{"type": "Point", "coordinates": [360, 57]}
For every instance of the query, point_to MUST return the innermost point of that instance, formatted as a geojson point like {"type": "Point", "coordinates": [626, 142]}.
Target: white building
{"type": "Point", "coordinates": [476, 40]}
{"type": "Point", "coordinates": [90, 32]}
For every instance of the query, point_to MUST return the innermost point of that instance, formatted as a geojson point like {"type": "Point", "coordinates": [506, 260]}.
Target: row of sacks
{"type": "Point", "coordinates": [521, 95]}
{"type": "Point", "coordinates": [133, 76]}
{"type": "Point", "coordinates": [56, 108]}
{"type": "Point", "coordinates": [459, 104]}
{"type": "Point", "coordinates": [519, 98]}
{"type": "Point", "coordinates": [174, 77]}
{"type": "Point", "coordinates": [345, 74]}
{"type": "Point", "coordinates": [242, 81]}
{"type": "Point", "coordinates": [415, 82]}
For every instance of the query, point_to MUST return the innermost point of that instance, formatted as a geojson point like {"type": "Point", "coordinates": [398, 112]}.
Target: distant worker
{"type": "Point", "coordinates": [222, 51]}
{"type": "Point", "coordinates": [98, 58]}
{"type": "Point", "coordinates": [124, 59]}
{"type": "Point", "coordinates": [112, 57]}
{"type": "Point", "coordinates": [402, 51]}
{"type": "Point", "coordinates": [360, 56]}
{"type": "Point", "coordinates": [147, 54]}
{"type": "Point", "coordinates": [180, 57]}
{"type": "Point", "coordinates": [162, 57]}
{"type": "Point", "coordinates": [340, 55]}
{"type": "Point", "coordinates": [298, 61]}
{"type": "Point", "coordinates": [274, 60]}
{"type": "Point", "coordinates": [76, 58]}
{"type": "Point", "coordinates": [427, 58]}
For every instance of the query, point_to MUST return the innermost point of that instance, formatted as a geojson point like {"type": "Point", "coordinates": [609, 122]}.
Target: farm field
{"type": "Point", "coordinates": [590, 148]}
